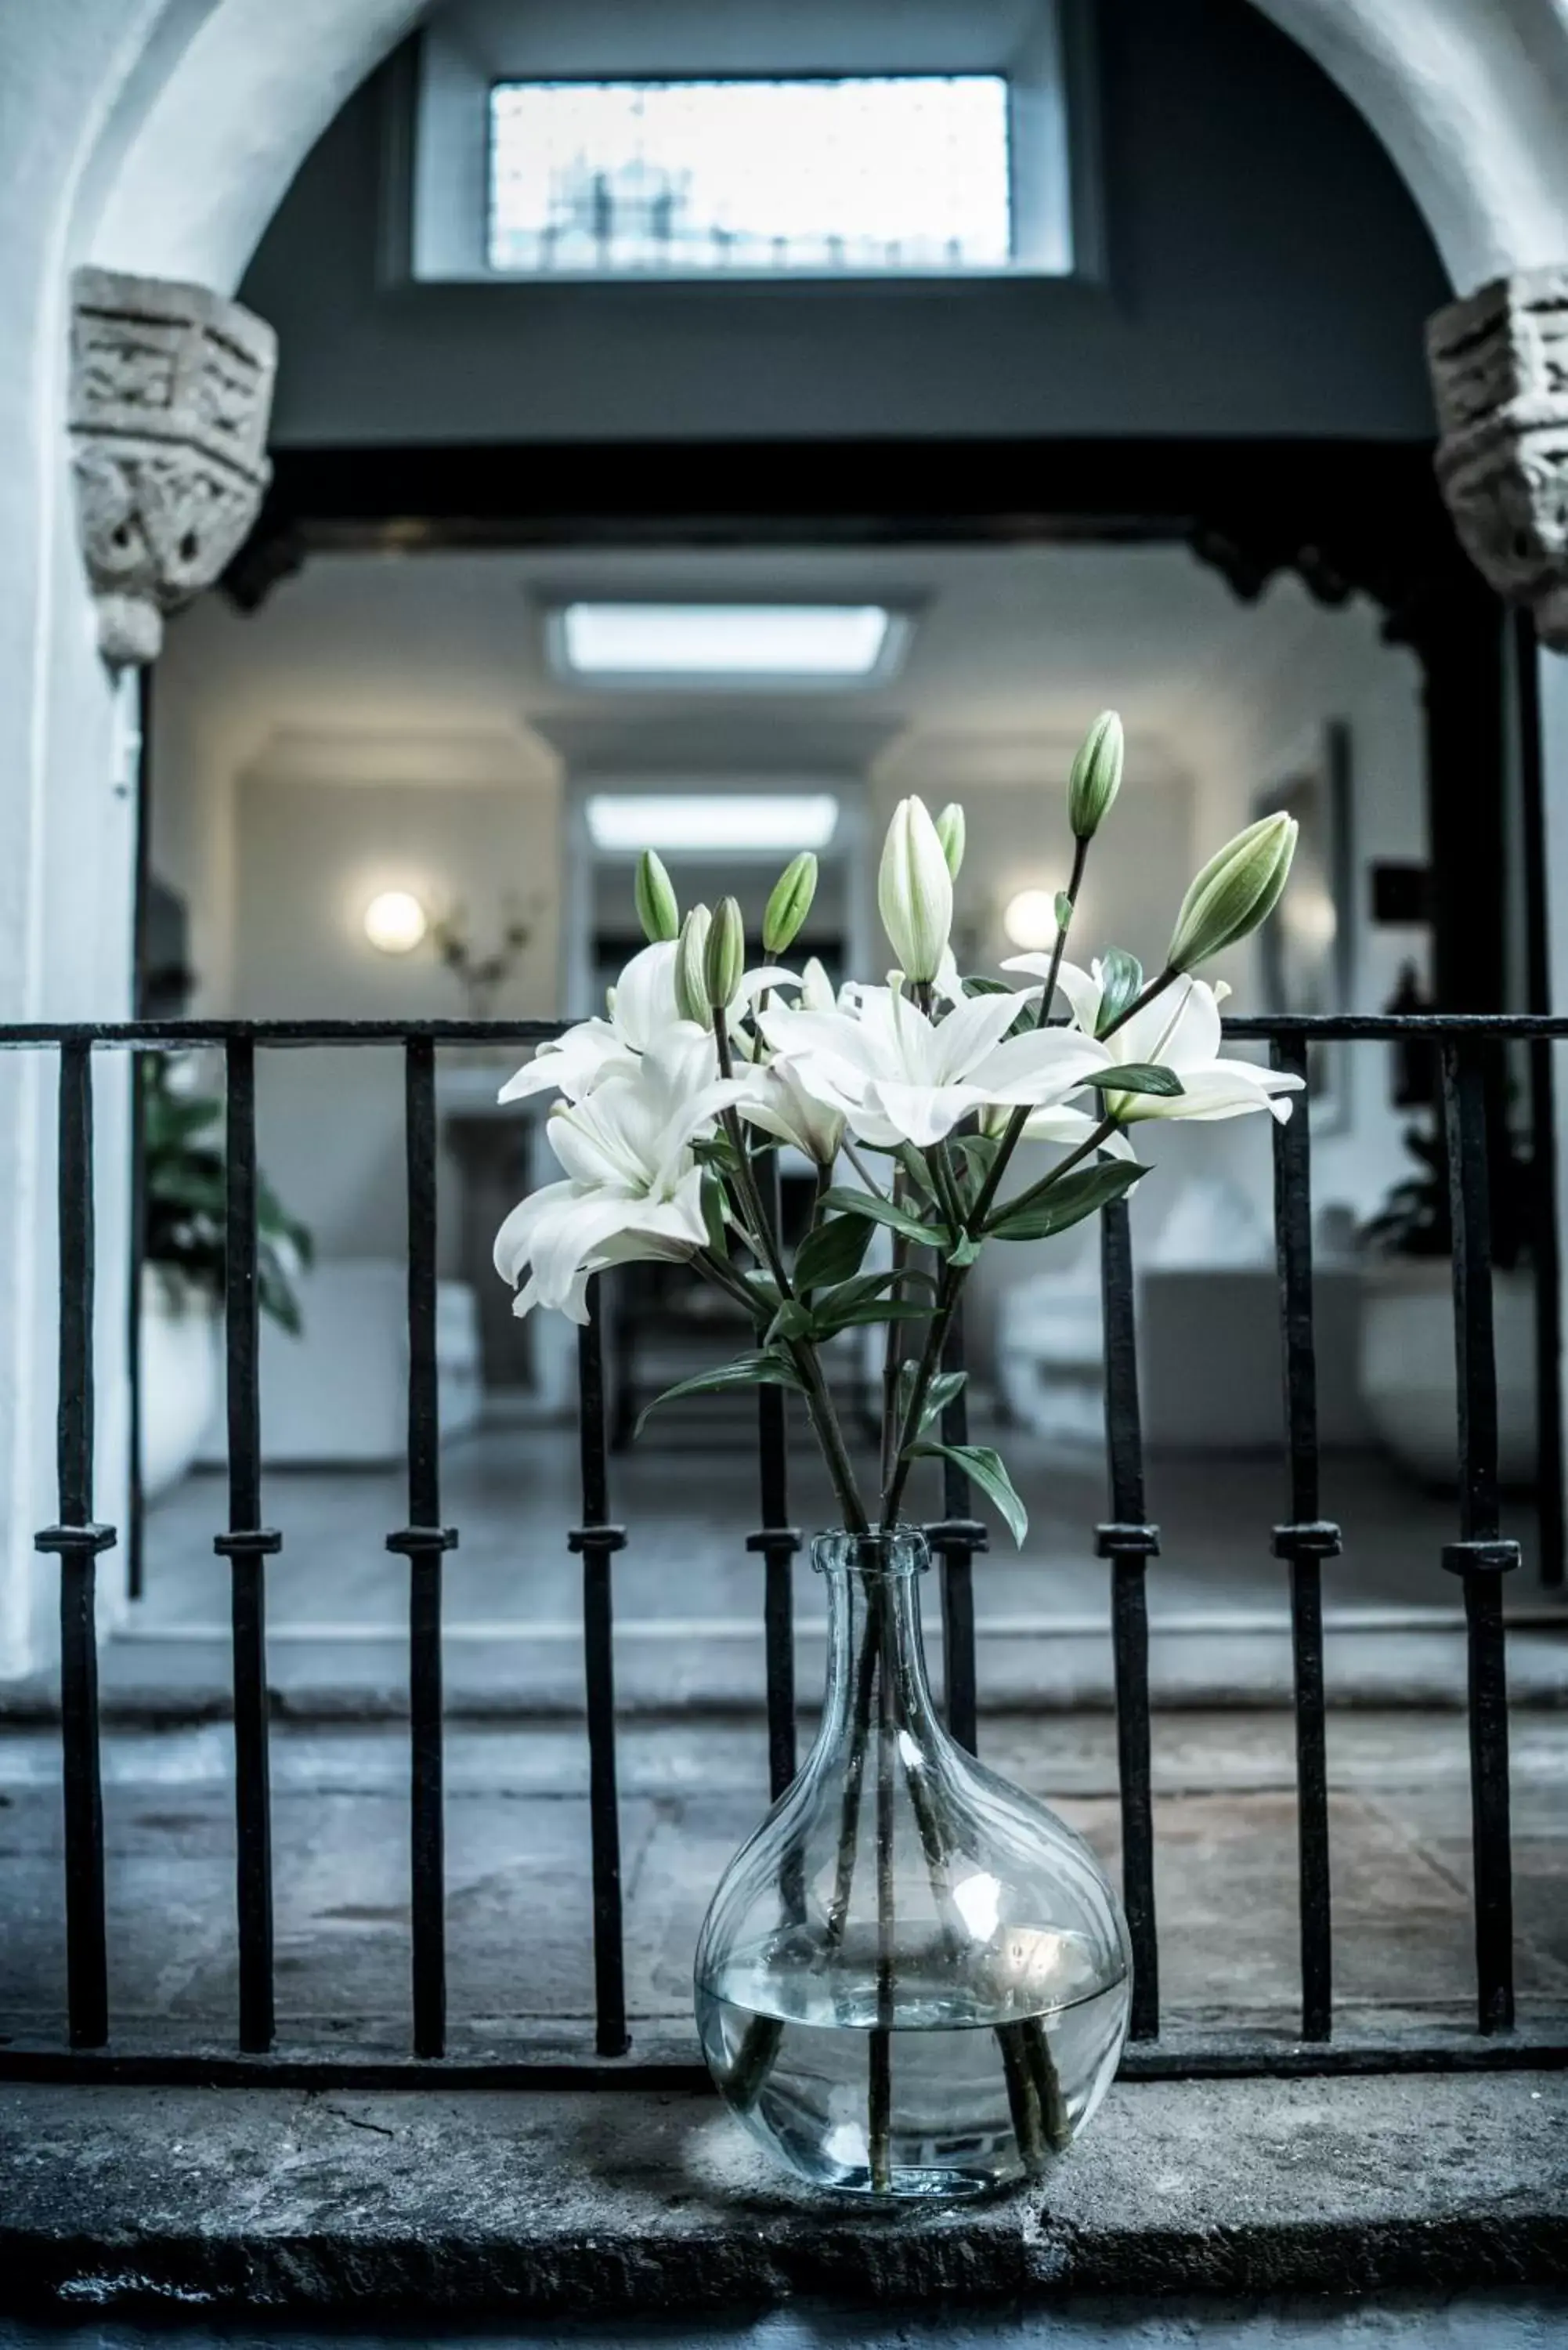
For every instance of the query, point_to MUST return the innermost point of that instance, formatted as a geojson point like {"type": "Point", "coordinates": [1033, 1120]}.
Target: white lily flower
{"type": "Point", "coordinates": [642, 1011]}
{"type": "Point", "coordinates": [899, 1076]}
{"type": "Point", "coordinates": [633, 1189]}
{"type": "Point", "coordinates": [779, 1104]}
{"type": "Point", "coordinates": [1179, 1029]}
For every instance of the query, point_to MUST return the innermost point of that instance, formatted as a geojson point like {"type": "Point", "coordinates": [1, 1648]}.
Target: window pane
{"type": "Point", "coordinates": [900, 173]}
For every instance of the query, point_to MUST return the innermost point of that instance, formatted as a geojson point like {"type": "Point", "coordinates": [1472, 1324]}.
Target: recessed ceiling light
{"type": "Point", "coordinates": [711, 822]}
{"type": "Point", "coordinates": [732, 644]}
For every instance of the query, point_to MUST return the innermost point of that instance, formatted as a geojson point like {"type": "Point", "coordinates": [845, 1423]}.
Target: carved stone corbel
{"type": "Point", "coordinates": [170, 389]}
{"type": "Point", "coordinates": [1500, 372]}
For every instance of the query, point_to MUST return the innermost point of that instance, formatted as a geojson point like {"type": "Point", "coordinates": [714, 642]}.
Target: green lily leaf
{"type": "Point", "coordinates": [832, 1252]}
{"type": "Point", "coordinates": [1136, 1078]}
{"type": "Point", "coordinates": [1121, 977]}
{"type": "Point", "coordinates": [885, 1211]}
{"type": "Point", "coordinates": [886, 1309]}
{"type": "Point", "coordinates": [1054, 1206]}
{"type": "Point", "coordinates": [986, 1469]}
{"type": "Point", "coordinates": [764, 1369]}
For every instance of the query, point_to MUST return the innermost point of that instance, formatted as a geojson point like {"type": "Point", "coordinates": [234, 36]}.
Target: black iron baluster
{"type": "Point", "coordinates": [1129, 1542]}
{"type": "Point", "coordinates": [596, 1541]}
{"type": "Point", "coordinates": [245, 1545]}
{"type": "Point", "coordinates": [1480, 1559]}
{"type": "Point", "coordinates": [76, 1542]}
{"type": "Point", "coordinates": [1305, 1542]}
{"type": "Point", "coordinates": [955, 1537]}
{"type": "Point", "coordinates": [425, 1542]}
{"type": "Point", "coordinates": [776, 1541]}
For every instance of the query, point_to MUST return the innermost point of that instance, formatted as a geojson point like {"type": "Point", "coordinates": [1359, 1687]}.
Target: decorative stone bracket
{"type": "Point", "coordinates": [1499, 370]}
{"type": "Point", "coordinates": [171, 390]}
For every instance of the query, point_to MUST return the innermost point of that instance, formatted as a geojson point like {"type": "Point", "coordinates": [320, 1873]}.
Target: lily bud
{"type": "Point", "coordinates": [658, 908]}
{"type": "Point", "coordinates": [691, 968]}
{"type": "Point", "coordinates": [915, 893]}
{"type": "Point", "coordinates": [950, 833]}
{"type": "Point", "coordinates": [1095, 776]}
{"type": "Point", "coordinates": [724, 957]}
{"type": "Point", "coordinates": [790, 903]}
{"type": "Point", "coordinates": [1236, 891]}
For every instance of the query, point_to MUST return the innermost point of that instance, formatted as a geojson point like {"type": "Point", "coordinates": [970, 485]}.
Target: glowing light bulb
{"type": "Point", "coordinates": [395, 922]}
{"type": "Point", "coordinates": [1030, 920]}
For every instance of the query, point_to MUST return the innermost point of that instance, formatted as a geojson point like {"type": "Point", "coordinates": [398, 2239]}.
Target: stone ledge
{"type": "Point", "coordinates": [542, 2203]}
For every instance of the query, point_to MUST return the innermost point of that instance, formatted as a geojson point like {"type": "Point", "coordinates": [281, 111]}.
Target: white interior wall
{"type": "Point", "coordinates": [321, 829]}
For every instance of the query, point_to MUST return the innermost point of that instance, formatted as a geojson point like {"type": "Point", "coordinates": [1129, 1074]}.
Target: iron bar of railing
{"type": "Point", "coordinates": [1129, 1542]}
{"type": "Point", "coordinates": [424, 1543]}
{"type": "Point", "coordinates": [776, 1541]}
{"type": "Point", "coordinates": [956, 1539]}
{"type": "Point", "coordinates": [77, 1541]}
{"type": "Point", "coordinates": [1480, 1557]}
{"type": "Point", "coordinates": [245, 1545]}
{"type": "Point", "coordinates": [1354, 1028]}
{"type": "Point", "coordinates": [597, 1541]}
{"type": "Point", "coordinates": [1303, 1543]}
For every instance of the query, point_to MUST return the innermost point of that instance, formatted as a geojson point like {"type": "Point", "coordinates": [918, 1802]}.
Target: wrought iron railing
{"type": "Point", "coordinates": [1466, 1048]}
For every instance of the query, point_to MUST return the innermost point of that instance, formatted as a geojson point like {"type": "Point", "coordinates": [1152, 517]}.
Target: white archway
{"type": "Point", "coordinates": [157, 137]}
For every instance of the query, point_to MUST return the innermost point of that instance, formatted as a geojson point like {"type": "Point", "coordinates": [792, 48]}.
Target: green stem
{"type": "Point", "coordinates": [1020, 1119]}
{"type": "Point", "coordinates": [862, 1169]}
{"type": "Point", "coordinates": [948, 1296]}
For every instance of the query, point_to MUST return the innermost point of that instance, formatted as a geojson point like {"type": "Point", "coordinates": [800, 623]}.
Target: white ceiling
{"type": "Point", "coordinates": [1014, 645]}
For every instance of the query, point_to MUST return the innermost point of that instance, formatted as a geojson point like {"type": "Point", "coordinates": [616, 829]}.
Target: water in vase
{"type": "Point", "coordinates": [971, 2090]}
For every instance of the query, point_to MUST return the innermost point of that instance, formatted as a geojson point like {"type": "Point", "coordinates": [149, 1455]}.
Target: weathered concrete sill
{"type": "Point", "coordinates": [544, 2203]}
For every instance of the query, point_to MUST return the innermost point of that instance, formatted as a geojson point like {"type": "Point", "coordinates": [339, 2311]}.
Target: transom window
{"type": "Point", "coordinates": [868, 174]}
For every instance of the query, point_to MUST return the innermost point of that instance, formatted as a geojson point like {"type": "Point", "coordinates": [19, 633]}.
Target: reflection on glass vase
{"type": "Point", "coordinates": [914, 1980]}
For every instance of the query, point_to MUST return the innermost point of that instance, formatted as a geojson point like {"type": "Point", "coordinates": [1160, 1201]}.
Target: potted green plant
{"type": "Point", "coordinates": [1408, 1382]}
{"type": "Point", "coordinates": [184, 1198]}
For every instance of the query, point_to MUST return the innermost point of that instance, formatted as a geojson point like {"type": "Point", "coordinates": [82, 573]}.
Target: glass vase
{"type": "Point", "coordinates": [914, 1980]}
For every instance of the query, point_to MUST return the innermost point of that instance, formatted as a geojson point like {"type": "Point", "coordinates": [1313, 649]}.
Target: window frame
{"type": "Point", "coordinates": [439, 154]}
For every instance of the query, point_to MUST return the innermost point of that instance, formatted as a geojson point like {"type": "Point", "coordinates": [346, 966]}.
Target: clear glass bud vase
{"type": "Point", "coordinates": [914, 1980]}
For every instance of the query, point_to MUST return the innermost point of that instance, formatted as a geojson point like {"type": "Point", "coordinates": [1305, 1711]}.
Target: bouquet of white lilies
{"type": "Point", "coordinates": [922, 1087]}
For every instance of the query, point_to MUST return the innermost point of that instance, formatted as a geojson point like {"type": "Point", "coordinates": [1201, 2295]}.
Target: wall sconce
{"type": "Point", "coordinates": [1030, 920]}
{"type": "Point", "coordinates": [395, 922]}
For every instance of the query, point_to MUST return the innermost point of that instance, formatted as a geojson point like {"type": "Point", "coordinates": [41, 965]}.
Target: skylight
{"type": "Point", "coordinates": [729, 643]}
{"type": "Point", "coordinates": [625, 822]}
{"type": "Point", "coordinates": [894, 174]}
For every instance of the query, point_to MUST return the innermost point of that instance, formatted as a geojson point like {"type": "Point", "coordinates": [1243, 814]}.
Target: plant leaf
{"type": "Point", "coordinates": [885, 1211]}
{"type": "Point", "coordinates": [945, 1389]}
{"type": "Point", "coordinates": [713, 1215]}
{"type": "Point", "coordinates": [766, 1370]}
{"type": "Point", "coordinates": [793, 1320]}
{"type": "Point", "coordinates": [832, 1252]}
{"type": "Point", "coordinates": [1121, 977]}
{"type": "Point", "coordinates": [887, 1309]}
{"type": "Point", "coordinates": [1052, 1207]}
{"type": "Point", "coordinates": [1136, 1078]}
{"type": "Point", "coordinates": [861, 1291]}
{"type": "Point", "coordinates": [964, 1250]}
{"type": "Point", "coordinates": [986, 1468]}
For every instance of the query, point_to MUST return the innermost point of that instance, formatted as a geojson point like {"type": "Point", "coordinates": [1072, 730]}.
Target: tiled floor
{"type": "Point", "coordinates": [519, 1907]}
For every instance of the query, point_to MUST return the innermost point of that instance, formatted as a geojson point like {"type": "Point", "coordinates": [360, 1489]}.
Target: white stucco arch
{"type": "Point", "coordinates": [157, 137]}
{"type": "Point", "coordinates": [224, 98]}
